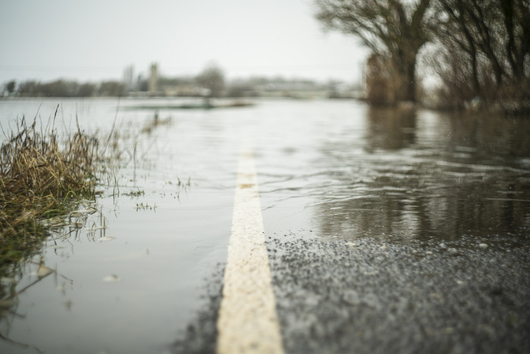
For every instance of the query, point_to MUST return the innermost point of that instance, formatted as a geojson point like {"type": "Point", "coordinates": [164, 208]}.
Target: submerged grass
{"type": "Point", "coordinates": [44, 176]}
{"type": "Point", "coordinates": [151, 124]}
{"type": "Point", "coordinates": [40, 177]}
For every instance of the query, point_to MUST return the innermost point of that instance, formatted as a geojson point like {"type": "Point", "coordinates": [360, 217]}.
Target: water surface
{"type": "Point", "coordinates": [326, 169]}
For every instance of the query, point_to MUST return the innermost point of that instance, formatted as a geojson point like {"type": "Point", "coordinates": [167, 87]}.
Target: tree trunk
{"type": "Point", "coordinates": [406, 80]}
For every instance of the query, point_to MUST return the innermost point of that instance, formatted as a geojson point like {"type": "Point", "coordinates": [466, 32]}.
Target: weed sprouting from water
{"type": "Point", "coordinates": [146, 206]}
{"type": "Point", "coordinates": [48, 194]}
{"type": "Point", "coordinates": [40, 176]}
{"type": "Point", "coordinates": [155, 122]}
{"type": "Point", "coordinates": [44, 176]}
{"type": "Point", "coordinates": [136, 193]}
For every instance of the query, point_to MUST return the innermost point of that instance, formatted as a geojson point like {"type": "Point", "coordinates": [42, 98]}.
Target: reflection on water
{"type": "Point", "coordinates": [428, 175]}
{"type": "Point", "coordinates": [31, 275]}
{"type": "Point", "coordinates": [390, 129]}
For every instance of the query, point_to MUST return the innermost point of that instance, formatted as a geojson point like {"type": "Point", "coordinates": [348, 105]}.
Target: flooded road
{"type": "Point", "coordinates": [387, 231]}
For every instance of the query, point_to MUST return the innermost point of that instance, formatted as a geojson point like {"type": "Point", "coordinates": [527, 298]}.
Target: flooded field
{"type": "Point", "coordinates": [129, 272]}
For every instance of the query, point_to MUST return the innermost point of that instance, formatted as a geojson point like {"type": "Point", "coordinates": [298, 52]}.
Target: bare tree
{"type": "Point", "coordinates": [392, 28]}
{"type": "Point", "coordinates": [111, 89]}
{"type": "Point", "coordinates": [492, 39]}
{"type": "Point", "coordinates": [212, 79]}
{"type": "Point", "coordinates": [10, 86]}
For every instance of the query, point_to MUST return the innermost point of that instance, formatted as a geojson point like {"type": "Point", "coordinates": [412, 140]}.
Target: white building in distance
{"type": "Point", "coordinates": [153, 80]}
{"type": "Point", "coordinates": [128, 78]}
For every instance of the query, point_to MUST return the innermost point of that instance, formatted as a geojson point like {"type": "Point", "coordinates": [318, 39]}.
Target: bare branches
{"type": "Point", "coordinates": [487, 42]}
{"type": "Point", "coordinates": [492, 38]}
{"type": "Point", "coordinates": [392, 28]}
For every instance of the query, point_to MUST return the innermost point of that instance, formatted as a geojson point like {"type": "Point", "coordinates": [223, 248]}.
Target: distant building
{"type": "Point", "coordinates": [153, 80]}
{"type": "Point", "coordinates": [128, 78]}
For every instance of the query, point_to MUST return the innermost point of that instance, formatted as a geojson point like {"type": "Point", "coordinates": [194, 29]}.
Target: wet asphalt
{"type": "Point", "coordinates": [372, 296]}
{"type": "Point", "coordinates": [369, 296]}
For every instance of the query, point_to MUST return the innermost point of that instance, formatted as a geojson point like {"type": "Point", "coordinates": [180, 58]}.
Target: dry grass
{"type": "Point", "coordinates": [39, 177]}
{"type": "Point", "coordinates": [43, 175]}
{"type": "Point", "coordinates": [151, 124]}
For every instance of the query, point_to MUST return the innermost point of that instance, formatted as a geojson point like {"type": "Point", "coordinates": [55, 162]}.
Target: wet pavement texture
{"type": "Point", "coordinates": [336, 296]}
{"type": "Point", "coordinates": [388, 231]}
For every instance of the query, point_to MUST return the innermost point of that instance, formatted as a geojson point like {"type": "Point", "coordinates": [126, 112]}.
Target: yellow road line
{"type": "Point", "coordinates": [247, 317]}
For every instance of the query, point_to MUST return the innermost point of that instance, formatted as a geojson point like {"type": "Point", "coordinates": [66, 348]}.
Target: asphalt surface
{"type": "Point", "coordinates": [369, 296]}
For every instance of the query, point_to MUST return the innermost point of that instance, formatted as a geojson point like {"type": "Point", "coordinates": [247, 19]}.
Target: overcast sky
{"type": "Point", "coordinates": [95, 39]}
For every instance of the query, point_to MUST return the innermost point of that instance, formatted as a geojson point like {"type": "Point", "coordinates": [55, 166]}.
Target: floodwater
{"type": "Point", "coordinates": [131, 276]}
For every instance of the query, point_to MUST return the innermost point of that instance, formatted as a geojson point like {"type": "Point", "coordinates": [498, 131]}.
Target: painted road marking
{"type": "Point", "coordinates": [247, 317]}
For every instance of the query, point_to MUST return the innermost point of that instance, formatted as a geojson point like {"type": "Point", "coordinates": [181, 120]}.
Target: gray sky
{"type": "Point", "coordinates": [95, 39]}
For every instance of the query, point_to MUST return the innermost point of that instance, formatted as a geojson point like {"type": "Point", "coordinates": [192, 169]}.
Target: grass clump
{"type": "Point", "coordinates": [151, 124]}
{"type": "Point", "coordinates": [39, 178]}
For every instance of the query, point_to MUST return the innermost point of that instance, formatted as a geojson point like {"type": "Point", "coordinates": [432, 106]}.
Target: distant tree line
{"type": "Point", "coordinates": [66, 88]}
{"type": "Point", "coordinates": [209, 83]}
{"type": "Point", "coordinates": [478, 49]}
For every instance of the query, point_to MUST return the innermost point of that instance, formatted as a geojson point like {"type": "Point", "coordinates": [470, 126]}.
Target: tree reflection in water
{"type": "Point", "coordinates": [427, 175]}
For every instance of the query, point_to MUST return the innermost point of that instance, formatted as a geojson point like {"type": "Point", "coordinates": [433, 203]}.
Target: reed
{"type": "Point", "coordinates": [40, 177]}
